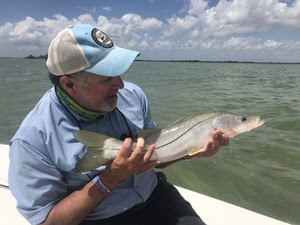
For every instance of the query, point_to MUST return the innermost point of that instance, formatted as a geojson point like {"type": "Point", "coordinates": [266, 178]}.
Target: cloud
{"type": "Point", "coordinates": [141, 24]}
{"type": "Point", "coordinates": [176, 25]}
{"type": "Point", "coordinates": [234, 17]}
{"type": "Point", "coordinates": [271, 44]}
{"type": "Point", "coordinates": [107, 8]}
{"type": "Point", "coordinates": [239, 43]}
{"type": "Point", "coordinates": [163, 44]}
{"type": "Point", "coordinates": [125, 31]}
{"type": "Point", "coordinates": [230, 26]}
{"type": "Point", "coordinates": [254, 44]}
{"type": "Point", "coordinates": [151, 24]}
{"type": "Point", "coordinates": [34, 36]}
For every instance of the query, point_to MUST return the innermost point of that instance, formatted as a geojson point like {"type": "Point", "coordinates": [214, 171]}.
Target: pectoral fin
{"type": "Point", "coordinates": [196, 151]}
{"type": "Point", "coordinates": [97, 154]}
{"type": "Point", "coordinates": [91, 160]}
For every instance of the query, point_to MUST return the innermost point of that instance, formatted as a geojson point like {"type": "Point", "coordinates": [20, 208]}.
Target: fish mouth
{"type": "Point", "coordinates": [258, 123]}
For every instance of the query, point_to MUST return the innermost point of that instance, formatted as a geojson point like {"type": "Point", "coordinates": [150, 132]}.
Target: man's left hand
{"type": "Point", "coordinates": [219, 139]}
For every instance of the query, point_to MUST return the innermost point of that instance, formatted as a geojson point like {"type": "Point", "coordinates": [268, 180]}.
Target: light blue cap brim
{"type": "Point", "coordinates": [115, 63]}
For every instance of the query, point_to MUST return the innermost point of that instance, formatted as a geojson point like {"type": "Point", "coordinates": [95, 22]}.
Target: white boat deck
{"type": "Point", "coordinates": [211, 210]}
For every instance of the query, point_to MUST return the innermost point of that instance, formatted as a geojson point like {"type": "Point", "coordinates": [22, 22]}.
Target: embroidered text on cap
{"type": "Point", "coordinates": [101, 38]}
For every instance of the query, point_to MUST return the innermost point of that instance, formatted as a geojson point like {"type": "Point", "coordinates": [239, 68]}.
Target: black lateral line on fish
{"type": "Point", "coordinates": [185, 132]}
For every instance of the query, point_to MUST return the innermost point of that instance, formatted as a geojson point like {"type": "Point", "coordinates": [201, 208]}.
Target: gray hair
{"type": "Point", "coordinates": [82, 77]}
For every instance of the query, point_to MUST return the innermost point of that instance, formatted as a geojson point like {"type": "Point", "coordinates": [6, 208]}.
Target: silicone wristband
{"type": "Point", "coordinates": [100, 186]}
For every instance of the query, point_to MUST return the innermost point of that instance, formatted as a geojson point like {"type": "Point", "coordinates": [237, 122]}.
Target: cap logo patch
{"type": "Point", "coordinates": [101, 38]}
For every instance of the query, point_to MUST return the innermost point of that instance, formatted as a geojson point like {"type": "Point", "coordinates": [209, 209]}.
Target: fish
{"type": "Point", "coordinates": [184, 137]}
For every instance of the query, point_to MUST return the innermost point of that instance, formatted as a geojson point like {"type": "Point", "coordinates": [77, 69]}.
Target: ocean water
{"type": "Point", "coordinates": [260, 170]}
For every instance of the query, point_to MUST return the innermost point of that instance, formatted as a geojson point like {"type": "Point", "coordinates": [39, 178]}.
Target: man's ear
{"type": "Point", "coordinates": [68, 84]}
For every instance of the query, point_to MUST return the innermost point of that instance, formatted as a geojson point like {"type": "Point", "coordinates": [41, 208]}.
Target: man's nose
{"type": "Point", "coordinates": [118, 82]}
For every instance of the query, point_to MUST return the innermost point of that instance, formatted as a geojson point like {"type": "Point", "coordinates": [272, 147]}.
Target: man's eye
{"type": "Point", "coordinates": [106, 80]}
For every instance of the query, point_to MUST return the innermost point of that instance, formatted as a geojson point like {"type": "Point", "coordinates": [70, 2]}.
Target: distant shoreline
{"type": "Point", "coordinates": [210, 61]}
{"type": "Point", "coordinates": [36, 57]}
{"type": "Point", "coordinates": [189, 61]}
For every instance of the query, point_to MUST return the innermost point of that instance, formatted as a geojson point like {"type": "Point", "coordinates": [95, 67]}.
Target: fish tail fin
{"type": "Point", "coordinates": [98, 152]}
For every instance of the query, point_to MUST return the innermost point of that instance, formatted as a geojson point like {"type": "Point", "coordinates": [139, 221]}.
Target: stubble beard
{"type": "Point", "coordinates": [107, 107]}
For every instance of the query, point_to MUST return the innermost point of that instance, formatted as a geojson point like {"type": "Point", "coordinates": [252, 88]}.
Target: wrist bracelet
{"type": "Point", "coordinates": [100, 186]}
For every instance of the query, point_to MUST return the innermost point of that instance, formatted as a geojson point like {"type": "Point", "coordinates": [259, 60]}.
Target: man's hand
{"type": "Point", "coordinates": [219, 139]}
{"type": "Point", "coordinates": [128, 163]}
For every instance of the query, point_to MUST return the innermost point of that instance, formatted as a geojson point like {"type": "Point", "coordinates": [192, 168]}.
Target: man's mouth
{"type": "Point", "coordinates": [113, 96]}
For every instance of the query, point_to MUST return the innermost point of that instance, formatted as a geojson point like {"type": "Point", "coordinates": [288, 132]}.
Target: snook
{"type": "Point", "coordinates": [187, 136]}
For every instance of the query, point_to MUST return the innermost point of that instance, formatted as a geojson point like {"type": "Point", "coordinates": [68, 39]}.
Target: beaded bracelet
{"type": "Point", "coordinates": [100, 186]}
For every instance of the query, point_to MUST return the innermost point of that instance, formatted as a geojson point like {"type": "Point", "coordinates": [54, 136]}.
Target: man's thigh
{"type": "Point", "coordinates": [166, 206]}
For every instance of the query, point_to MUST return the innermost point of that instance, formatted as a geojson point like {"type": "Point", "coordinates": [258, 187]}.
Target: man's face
{"type": "Point", "coordinates": [99, 93]}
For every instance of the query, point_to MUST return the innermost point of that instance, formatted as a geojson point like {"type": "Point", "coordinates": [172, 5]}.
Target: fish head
{"type": "Point", "coordinates": [234, 124]}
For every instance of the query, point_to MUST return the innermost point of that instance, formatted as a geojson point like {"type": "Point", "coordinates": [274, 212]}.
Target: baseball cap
{"type": "Point", "coordinates": [84, 47]}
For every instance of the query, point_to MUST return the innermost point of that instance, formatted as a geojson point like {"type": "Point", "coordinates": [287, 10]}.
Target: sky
{"type": "Point", "coordinates": [206, 30]}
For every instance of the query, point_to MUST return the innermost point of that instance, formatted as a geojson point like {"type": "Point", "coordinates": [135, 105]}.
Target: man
{"type": "Point", "coordinates": [89, 94]}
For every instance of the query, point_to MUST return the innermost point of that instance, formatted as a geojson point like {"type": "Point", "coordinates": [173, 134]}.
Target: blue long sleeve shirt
{"type": "Point", "coordinates": [44, 152]}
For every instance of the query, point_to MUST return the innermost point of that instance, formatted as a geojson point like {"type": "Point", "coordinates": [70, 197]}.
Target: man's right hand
{"type": "Point", "coordinates": [128, 163]}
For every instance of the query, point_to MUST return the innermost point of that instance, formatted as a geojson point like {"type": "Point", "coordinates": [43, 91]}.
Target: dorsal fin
{"type": "Point", "coordinates": [179, 120]}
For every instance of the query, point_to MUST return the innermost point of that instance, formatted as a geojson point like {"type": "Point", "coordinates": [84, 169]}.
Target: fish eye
{"type": "Point", "coordinates": [243, 119]}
